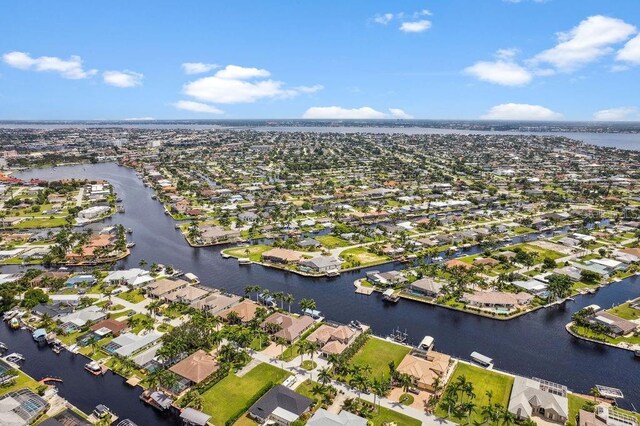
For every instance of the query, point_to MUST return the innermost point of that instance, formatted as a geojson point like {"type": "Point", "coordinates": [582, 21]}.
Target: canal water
{"type": "Point", "coordinates": [535, 344]}
{"type": "Point", "coordinates": [82, 389]}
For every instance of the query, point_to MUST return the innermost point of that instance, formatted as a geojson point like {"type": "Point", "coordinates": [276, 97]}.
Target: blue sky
{"type": "Point", "coordinates": [468, 59]}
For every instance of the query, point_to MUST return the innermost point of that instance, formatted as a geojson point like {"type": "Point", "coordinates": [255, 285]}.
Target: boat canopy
{"type": "Point", "coordinates": [482, 359]}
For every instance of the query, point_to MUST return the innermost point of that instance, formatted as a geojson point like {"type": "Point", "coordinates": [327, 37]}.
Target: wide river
{"type": "Point", "coordinates": [535, 344]}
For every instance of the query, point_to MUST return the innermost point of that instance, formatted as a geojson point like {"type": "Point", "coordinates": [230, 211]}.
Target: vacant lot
{"type": "Point", "coordinates": [233, 393]}
{"type": "Point", "coordinates": [377, 354]}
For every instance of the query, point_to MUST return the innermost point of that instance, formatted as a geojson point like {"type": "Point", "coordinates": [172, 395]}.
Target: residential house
{"type": "Point", "coordinates": [280, 406]}
{"type": "Point", "coordinates": [290, 327]}
{"type": "Point", "coordinates": [324, 418]}
{"type": "Point", "coordinates": [246, 310]}
{"type": "Point", "coordinates": [424, 370]}
{"type": "Point", "coordinates": [617, 326]}
{"type": "Point", "coordinates": [333, 340]}
{"type": "Point", "coordinates": [194, 369]}
{"type": "Point", "coordinates": [161, 288]}
{"type": "Point", "coordinates": [538, 398]}
{"type": "Point", "coordinates": [134, 277]}
{"type": "Point", "coordinates": [321, 264]}
{"type": "Point", "coordinates": [426, 286]}
{"type": "Point", "coordinates": [496, 300]}
{"type": "Point", "coordinates": [80, 318]}
{"type": "Point", "coordinates": [280, 255]}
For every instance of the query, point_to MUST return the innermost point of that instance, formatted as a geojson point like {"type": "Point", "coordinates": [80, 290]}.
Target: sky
{"type": "Point", "coordinates": [439, 59]}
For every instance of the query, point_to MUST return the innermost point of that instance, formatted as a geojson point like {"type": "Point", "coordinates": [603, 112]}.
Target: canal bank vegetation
{"type": "Point", "coordinates": [617, 326]}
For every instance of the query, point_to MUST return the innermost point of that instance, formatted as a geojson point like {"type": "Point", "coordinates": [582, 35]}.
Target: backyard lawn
{"type": "Point", "coordinates": [22, 381]}
{"type": "Point", "coordinates": [483, 381]}
{"type": "Point", "coordinates": [252, 252]}
{"type": "Point", "coordinates": [134, 296]}
{"type": "Point", "coordinates": [360, 256]}
{"type": "Point", "coordinates": [331, 242]}
{"type": "Point", "coordinates": [625, 311]}
{"type": "Point", "coordinates": [377, 353]}
{"type": "Point", "coordinates": [233, 393]}
{"type": "Point", "coordinates": [386, 416]}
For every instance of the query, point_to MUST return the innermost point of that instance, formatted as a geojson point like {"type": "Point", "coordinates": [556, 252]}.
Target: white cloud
{"type": "Point", "coordinates": [309, 89]}
{"type": "Point", "coordinates": [618, 114]}
{"type": "Point", "coordinates": [512, 111]}
{"type": "Point", "coordinates": [631, 51]}
{"type": "Point", "coordinates": [123, 79]}
{"type": "Point", "coordinates": [507, 54]}
{"type": "Point", "coordinates": [234, 72]}
{"type": "Point", "coordinates": [198, 67]}
{"type": "Point", "coordinates": [197, 107]}
{"type": "Point", "coordinates": [398, 113]}
{"type": "Point", "coordinates": [415, 26]}
{"type": "Point", "coordinates": [588, 41]}
{"type": "Point", "coordinates": [68, 68]}
{"type": "Point", "coordinates": [501, 72]}
{"type": "Point", "coordinates": [383, 19]}
{"type": "Point", "coordinates": [234, 84]}
{"type": "Point", "coordinates": [336, 112]}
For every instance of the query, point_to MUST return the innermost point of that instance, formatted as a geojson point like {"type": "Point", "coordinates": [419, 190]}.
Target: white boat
{"type": "Point", "coordinates": [244, 261]}
{"type": "Point", "coordinates": [3, 347]}
{"type": "Point", "coordinates": [131, 244]}
{"type": "Point", "coordinates": [14, 357]}
{"type": "Point", "coordinates": [426, 343]}
{"type": "Point", "coordinates": [94, 368]}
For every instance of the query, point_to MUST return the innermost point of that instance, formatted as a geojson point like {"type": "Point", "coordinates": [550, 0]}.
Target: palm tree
{"type": "Point", "coordinates": [405, 382]}
{"type": "Point", "coordinates": [380, 388]}
{"type": "Point", "coordinates": [308, 304]}
{"type": "Point", "coordinates": [324, 376]}
{"type": "Point", "coordinates": [279, 296]}
{"type": "Point", "coordinates": [595, 393]}
{"type": "Point", "coordinates": [289, 299]}
{"type": "Point", "coordinates": [142, 263]}
{"type": "Point", "coordinates": [508, 419]}
{"type": "Point", "coordinates": [469, 407]}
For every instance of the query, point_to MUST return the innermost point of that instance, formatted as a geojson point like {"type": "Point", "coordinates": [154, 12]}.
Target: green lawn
{"type": "Point", "coordinates": [590, 334]}
{"type": "Point", "coordinates": [377, 353]}
{"type": "Point", "coordinates": [233, 393]}
{"type": "Point", "coordinates": [252, 252]}
{"type": "Point", "coordinates": [360, 256]}
{"type": "Point", "coordinates": [134, 296]}
{"type": "Point", "coordinates": [482, 380]}
{"type": "Point", "coordinates": [386, 416]}
{"type": "Point", "coordinates": [42, 223]}
{"type": "Point", "coordinates": [22, 381]}
{"type": "Point", "coordinates": [330, 241]}
{"type": "Point", "coordinates": [625, 311]}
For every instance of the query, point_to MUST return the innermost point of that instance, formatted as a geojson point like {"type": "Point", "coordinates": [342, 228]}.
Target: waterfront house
{"type": "Point", "coordinates": [280, 405]}
{"type": "Point", "coordinates": [128, 344]}
{"type": "Point", "coordinates": [290, 327]}
{"type": "Point", "coordinates": [76, 320]}
{"type": "Point", "coordinates": [194, 369]}
{"type": "Point", "coordinates": [134, 277]}
{"type": "Point", "coordinates": [309, 243]}
{"type": "Point", "coordinates": [424, 369]}
{"type": "Point", "coordinates": [217, 234]}
{"type": "Point", "coordinates": [186, 295]}
{"type": "Point", "coordinates": [604, 415]}
{"type": "Point", "coordinates": [496, 300]}
{"type": "Point", "coordinates": [332, 340]}
{"type": "Point", "coordinates": [55, 311]}
{"type": "Point", "coordinates": [426, 286]}
{"type": "Point", "coordinates": [617, 326]}
{"type": "Point", "coordinates": [215, 303]}
{"type": "Point", "coordinates": [533, 286]}
{"type": "Point", "coordinates": [246, 311]}
{"type": "Point", "coordinates": [283, 256]}
{"type": "Point", "coordinates": [321, 264]}
{"type": "Point", "coordinates": [21, 407]}
{"type": "Point", "coordinates": [159, 289]}
{"type": "Point", "coordinates": [324, 418]}
{"type": "Point", "coordinates": [93, 212]}
{"type": "Point", "coordinates": [384, 279]}
{"type": "Point", "coordinates": [538, 398]}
